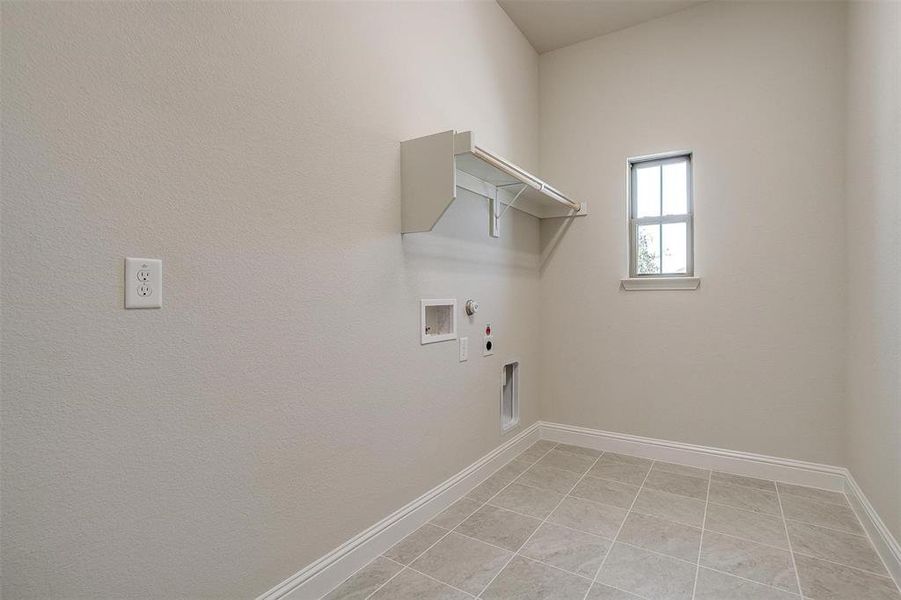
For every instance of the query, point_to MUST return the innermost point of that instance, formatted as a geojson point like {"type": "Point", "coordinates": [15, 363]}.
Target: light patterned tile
{"type": "Point", "coordinates": [549, 478]}
{"type": "Point", "coordinates": [829, 581]}
{"type": "Point", "coordinates": [527, 500]}
{"type": "Point", "coordinates": [499, 527]}
{"type": "Point", "coordinates": [577, 463]}
{"type": "Point", "coordinates": [456, 513]}
{"type": "Point", "coordinates": [599, 591]}
{"type": "Point", "coordinates": [713, 585]}
{"type": "Point", "coordinates": [568, 549]}
{"type": "Point", "coordinates": [810, 493]}
{"type": "Point", "coordinates": [681, 485]}
{"type": "Point", "coordinates": [462, 562]}
{"type": "Point", "coordinates": [626, 458]}
{"type": "Point", "coordinates": [537, 450]}
{"type": "Point", "coordinates": [410, 585]}
{"type": "Point", "coordinates": [659, 535]}
{"type": "Point", "coordinates": [763, 564]}
{"type": "Point", "coordinates": [669, 506]}
{"type": "Point", "coordinates": [592, 517]}
{"type": "Point", "coordinates": [744, 498]}
{"type": "Point", "coordinates": [524, 579]}
{"type": "Point", "coordinates": [406, 550]}
{"type": "Point", "coordinates": [836, 546]}
{"type": "Point", "coordinates": [579, 450]}
{"type": "Point", "coordinates": [758, 484]}
{"type": "Point", "coordinates": [647, 574]}
{"type": "Point", "coordinates": [365, 581]}
{"type": "Point", "coordinates": [750, 525]}
{"type": "Point", "coordinates": [682, 470]}
{"type": "Point", "coordinates": [833, 516]}
{"type": "Point", "coordinates": [605, 491]}
{"type": "Point", "coordinates": [512, 469]}
{"type": "Point", "coordinates": [488, 488]}
{"type": "Point", "coordinates": [619, 471]}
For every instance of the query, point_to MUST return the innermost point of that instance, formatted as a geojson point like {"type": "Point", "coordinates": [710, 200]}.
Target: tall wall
{"type": "Point", "coordinates": [280, 401]}
{"type": "Point", "coordinates": [753, 360]}
{"type": "Point", "coordinates": [873, 413]}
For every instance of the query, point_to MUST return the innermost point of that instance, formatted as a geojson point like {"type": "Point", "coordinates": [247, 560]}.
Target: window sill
{"type": "Point", "coordinates": [661, 283]}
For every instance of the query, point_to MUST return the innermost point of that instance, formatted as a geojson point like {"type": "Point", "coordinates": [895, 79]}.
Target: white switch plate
{"type": "Point", "coordinates": [464, 349]}
{"type": "Point", "coordinates": [143, 283]}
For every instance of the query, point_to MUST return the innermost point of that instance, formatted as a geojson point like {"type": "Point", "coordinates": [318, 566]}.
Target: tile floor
{"type": "Point", "coordinates": [563, 522]}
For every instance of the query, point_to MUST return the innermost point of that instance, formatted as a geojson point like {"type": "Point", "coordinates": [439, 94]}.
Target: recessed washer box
{"type": "Point", "coordinates": [438, 320]}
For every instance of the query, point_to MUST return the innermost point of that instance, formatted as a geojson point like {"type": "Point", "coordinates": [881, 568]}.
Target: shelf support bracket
{"type": "Point", "coordinates": [496, 213]}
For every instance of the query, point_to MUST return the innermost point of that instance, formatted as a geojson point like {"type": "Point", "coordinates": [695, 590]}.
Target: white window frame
{"type": "Point", "coordinates": [687, 218]}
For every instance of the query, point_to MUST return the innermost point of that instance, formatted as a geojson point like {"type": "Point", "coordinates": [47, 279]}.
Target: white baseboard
{"type": "Point", "coordinates": [321, 576]}
{"type": "Point", "coordinates": [885, 543]}
{"type": "Point", "coordinates": [741, 463]}
{"type": "Point", "coordinates": [786, 470]}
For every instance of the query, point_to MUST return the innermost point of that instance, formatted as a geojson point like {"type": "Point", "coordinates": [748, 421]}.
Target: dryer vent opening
{"type": "Point", "coordinates": [510, 396]}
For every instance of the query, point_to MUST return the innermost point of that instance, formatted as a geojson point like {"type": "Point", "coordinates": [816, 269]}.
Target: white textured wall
{"type": "Point", "coordinates": [280, 402]}
{"type": "Point", "coordinates": [753, 360]}
{"type": "Point", "coordinates": [873, 414]}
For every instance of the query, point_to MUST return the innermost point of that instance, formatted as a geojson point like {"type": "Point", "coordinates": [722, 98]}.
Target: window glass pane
{"type": "Point", "coordinates": [647, 194]}
{"type": "Point", "coordinates": [648, 259]}
{"type": "Point", "coordinates": [675, 247]}
{"type": "Point", "coordinates": [675, 188]}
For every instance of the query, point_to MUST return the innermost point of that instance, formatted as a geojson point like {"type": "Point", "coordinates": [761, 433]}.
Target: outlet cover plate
{"type": "Point", "coordinates": [143, 283]}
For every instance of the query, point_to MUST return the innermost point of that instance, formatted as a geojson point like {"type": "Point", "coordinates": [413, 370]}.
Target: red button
{"type": "Point", "coordinates": [488, 331]}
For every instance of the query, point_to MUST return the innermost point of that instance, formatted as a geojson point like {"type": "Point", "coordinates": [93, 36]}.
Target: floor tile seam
{"type": "Point", "coordinates": [759, 512]}
{"type": "Point", "coordinates": [744, 539]}
{"type": "Point", "coordinates": [620, 530]}
{"type": "Point", "coordinates": [845, 565]}
{"type": "Point", "coordinates": [694, 589]}
{"type": "Point", "coordinates": [662, 518]}
{"type": "Point", "coordinates": [433, 578]}
{"type": "Point", "coordinates": [837, 530]}
{"type": "Point", "coordinates": [539, 527]}
{"type": "Point", "coordinates": [826, 527]}
{"type": "Point", "coordinates": [767, 585]}
{"type": "Point", "coordinates": [791, 550]}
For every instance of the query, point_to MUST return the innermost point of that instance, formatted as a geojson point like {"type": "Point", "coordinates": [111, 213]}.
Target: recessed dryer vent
{"type": "Point", "coordinates": [510, 396]}
{"type": "Point", "coordinates": [438, 320]}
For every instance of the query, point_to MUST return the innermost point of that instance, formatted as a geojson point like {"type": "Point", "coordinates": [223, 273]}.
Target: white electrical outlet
{"type": "Point", "coordinates": [143, 283]}
{"type": "Point", "coordinates": [487, 345]}
{"type": "Point", "coordinates": [464, 349]}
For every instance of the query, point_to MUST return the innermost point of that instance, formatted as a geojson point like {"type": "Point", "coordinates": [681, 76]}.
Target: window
{"type": "Point", "coordinates": [660, 216]}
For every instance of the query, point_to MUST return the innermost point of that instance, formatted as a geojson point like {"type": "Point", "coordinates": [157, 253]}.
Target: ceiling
{"type": "Point", "coordinates": [552, 24]}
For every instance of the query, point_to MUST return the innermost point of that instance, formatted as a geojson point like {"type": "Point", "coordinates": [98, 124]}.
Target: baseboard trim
{"type": "Point", "coordinates": [883, 540]}
{"type": "Point", "coordinates": [741, 463]}
{"type": "Point", "coordinates": [321, 576]}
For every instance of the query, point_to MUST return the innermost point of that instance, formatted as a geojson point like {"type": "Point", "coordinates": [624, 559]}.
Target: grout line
{"type": "Point", "coordinates": [555, 567]}
{"type": "Point", "coordinates": [515, 554]}
{"type": "Point", "coordinates": [481, 505]}
{"type": "Point", "coordinates": [744, 539]}
{"type": "Point", "coordinates": [694, 589]}
{"type": "Point", "coordinates": [621, 525]}
{"type": "Point", "coordinates": [833, 562]}
{"type": "Point", "coordinates": [441, 582]}
{"type": "Point", "coordinates": [767, 585]}
{"type": "Point", "coordinates": [793, 520]}
{"type": "Point", "coordinates": [791, 550]}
